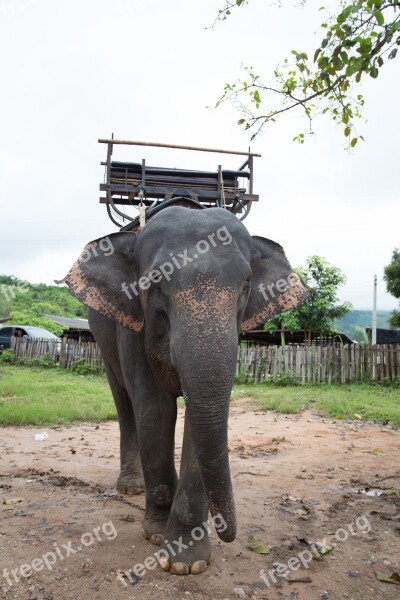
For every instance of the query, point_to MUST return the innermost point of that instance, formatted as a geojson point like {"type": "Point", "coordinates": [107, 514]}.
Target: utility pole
{"type": "Point", "coordinates": [373, 340]}
{"type": "Point", "coordinates": [374, 319]}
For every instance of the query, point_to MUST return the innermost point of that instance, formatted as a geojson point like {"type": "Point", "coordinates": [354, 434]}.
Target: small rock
{"type": "Point", "coordinates": [240, 593]}
{"type": "Point", "coordinates": [354, 574]}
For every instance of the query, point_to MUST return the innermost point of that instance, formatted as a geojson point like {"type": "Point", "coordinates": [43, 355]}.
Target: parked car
{"type": "Point", "coordinates": [28, 333]}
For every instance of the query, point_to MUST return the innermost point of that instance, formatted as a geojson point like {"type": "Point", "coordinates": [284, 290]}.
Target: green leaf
{"type": "Point", "coordinates": [324, 43]}
{"type": "Point", "coordinates": [374, 72]}
{"type": "Point", "coordinates": [353, 142]}
{"type": "Point", "coordinates": [257, 546]}
{"type": "Point", "coordinates": [337, 63]}
{"type": "Point", "coordinates": [380, 19]}
{"type": "Point", "coordinates": [241, 121]}
{"type": "Point", "coordinates": [394, 578]}
{"type": "Point", "coordinates": [325, 550]}
{"type": "Point", "coordinates": [317, 53]}
{"type": "Point", "coordinates": [351, 69]}
{"type": "Point", "coordinates": [347, 131]}
{"type": "Point", "coordinates": [344, 14]}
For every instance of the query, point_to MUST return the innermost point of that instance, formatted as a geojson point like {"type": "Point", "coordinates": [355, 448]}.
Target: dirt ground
{"type": "Point", "coordinates": [66, 534]}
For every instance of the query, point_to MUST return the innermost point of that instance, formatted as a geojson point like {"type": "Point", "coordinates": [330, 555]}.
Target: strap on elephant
{"type": "Point", "coordinates": [150, 212]}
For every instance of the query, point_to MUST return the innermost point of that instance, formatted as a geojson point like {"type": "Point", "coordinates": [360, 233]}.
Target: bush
{"type": "Point", "coordinates": [282, 380]}
{"type": "Point", "coordinates": [47, 362]}
{"type": "Point", "coordinates": [81, 367]}
{"type": "Point", "coordinates": [33, 362]}
{"type": "Point", "coordinates": [7, 357]}
{"type": "Point", "coordinates": [243, 377]}
{"type": "Point", "coordinates": [388, 382]}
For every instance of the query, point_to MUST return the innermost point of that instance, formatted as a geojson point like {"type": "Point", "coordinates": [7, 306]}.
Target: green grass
{"type": "Point", "coordinates": [33, 396]}
{"type": "Point", "coordinates": [370, 402]}
{"type": "Point", "coordinates": [30, 396]}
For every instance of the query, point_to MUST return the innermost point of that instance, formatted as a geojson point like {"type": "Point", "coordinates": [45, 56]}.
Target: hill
{"type": "Point", "coordinates": [20, 296]}
{"type": "Point", "coordinates": [353, 324]}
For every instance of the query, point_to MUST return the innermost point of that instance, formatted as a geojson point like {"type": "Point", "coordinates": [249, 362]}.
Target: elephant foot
{"type": "Point", "coordinates": [187, 557]}
{"type": "Point", "coordinates": [153, 530]}
{"type": "Point", "coordinates": [130, 485]}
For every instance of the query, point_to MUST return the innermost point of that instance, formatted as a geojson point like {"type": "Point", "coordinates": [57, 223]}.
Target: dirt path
{"type": "Point", "coordinates": [294, 480]}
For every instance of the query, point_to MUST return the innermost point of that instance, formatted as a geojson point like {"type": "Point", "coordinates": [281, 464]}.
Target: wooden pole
{"type": "Point", "coordinates": [174, 146]}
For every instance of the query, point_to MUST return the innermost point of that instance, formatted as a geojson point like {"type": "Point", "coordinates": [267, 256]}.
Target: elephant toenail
{"type": "Point", "coordinates": [134, 491]}
{"type": "Point", "coordinates": [198, 567]}
{"type": "Point", "coordinates": [156, 539]}
{"type": "Point", "coordinates": [180, 568]}
{"type": "Point", "coordinates": [164, 562]}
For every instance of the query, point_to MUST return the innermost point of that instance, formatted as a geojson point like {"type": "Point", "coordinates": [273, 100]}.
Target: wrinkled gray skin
{"type": "Point", "coordinates": [179, 337]}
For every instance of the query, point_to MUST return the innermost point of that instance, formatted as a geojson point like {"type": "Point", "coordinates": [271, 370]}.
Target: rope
{"type": "Point", "coordinates": [142, 206]}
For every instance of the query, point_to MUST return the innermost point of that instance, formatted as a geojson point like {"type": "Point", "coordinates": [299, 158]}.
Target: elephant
{"type": "Point", "coordinates": [166, 307]}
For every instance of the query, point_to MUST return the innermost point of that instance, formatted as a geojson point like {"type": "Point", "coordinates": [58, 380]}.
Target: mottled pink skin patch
{"type": "Point", "coordinates": [207, 308]}
{"type": "Point", "coordinates": [207, 297]}
{"type": "Point", "coordinates": [92, 296]}
{"type": "Point", "coordinates": [287, 300]}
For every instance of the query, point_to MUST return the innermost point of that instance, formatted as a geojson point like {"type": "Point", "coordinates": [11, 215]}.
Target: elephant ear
{"type": "Point", "coordinates": [102, 272]}
{"type": "Point", "coordinates": [275, 288]}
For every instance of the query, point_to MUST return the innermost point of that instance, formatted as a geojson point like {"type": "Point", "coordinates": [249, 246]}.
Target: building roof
{"type": "Point", "coordinates": [70, 322]}
{"type": "Point", "coordinates": [259, 336]}
{"type": "Point", "coordinates": [384, 336]}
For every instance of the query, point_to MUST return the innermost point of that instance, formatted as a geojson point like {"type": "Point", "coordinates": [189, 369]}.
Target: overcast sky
{"type": "Point", "coordinates": [147, 70]}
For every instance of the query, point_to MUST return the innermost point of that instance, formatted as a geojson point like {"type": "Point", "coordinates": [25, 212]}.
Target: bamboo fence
{"type": "Point", "coordinates": [342, 363]}
{"type": "Point", "coordinates": [332, 364]}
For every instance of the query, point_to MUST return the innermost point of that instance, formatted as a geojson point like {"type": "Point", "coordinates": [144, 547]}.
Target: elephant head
{"type": "Point", "coordinates": [189, 282]}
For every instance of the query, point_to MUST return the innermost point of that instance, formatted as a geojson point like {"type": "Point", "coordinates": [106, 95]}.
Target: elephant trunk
{"type": "Point", "coordinates": [206, 365]}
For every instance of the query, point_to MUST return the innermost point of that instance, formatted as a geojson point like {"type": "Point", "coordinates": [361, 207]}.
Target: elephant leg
{"type": "Point", "coordinates": [155, 414]}
{"type": "Point", "coordinates": [186, 547]}
{"type": "Point", "coordinates": [130, 480]}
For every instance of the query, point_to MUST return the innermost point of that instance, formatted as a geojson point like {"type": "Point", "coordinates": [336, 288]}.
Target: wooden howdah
{"type": "Point", "coordinates": [136, 183]}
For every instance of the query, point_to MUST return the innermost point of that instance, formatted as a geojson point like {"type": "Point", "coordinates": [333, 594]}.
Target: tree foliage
{"type": "Point", "coordinates": [18, 295]}
{"type": "Point", "coordinates": [30, 317]}
{"type": "Point", "coordinates": [356, 42]}
{"type": "Point", "coordinates": [322, 307]}
{"type": "Point", "coordinates": [392, 279]}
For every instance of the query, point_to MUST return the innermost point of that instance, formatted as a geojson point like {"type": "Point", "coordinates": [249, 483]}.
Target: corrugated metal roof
{"type": "Point", "coordinates": [70, 322]}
